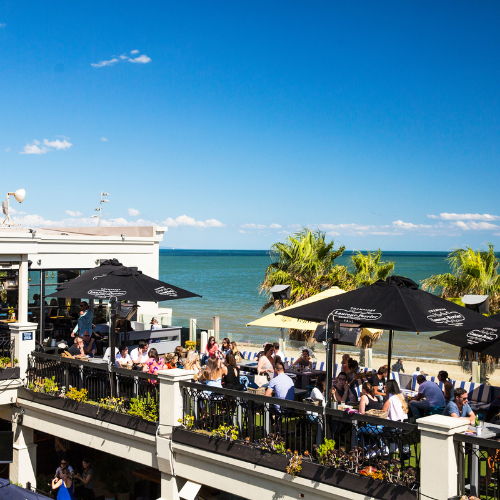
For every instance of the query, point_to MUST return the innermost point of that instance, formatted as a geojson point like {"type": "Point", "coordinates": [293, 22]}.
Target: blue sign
{"type": "Point", "coordinates": [27, 335]}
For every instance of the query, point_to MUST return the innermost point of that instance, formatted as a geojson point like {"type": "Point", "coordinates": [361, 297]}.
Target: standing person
{"type": "Point", "coordinates": [277, 351]}
{"type": "Point", "coordinates": [65, 485]}
{"type": "Point", "coordinates": [459, 408]}
{"type": "Point", "coordinates": [395, 406]}
{"type": "Point", "coordinates": [84, 321]}
{"type": "Point", "coordinates": [345, 363]}
{"type": "Point", "coordinates": [64, 465]}
{"type": "Point", "coordinates": [432, 393]}
{"type": "Point", "coordinates": [398, 367]}
{"type": "Point", "coordinates": [86, 489]}
{"type": "Point", "coordinates": [265, 366]}
{"type": "Point", "coordinates": [282, 384]}
{"type": "Point", "coordinates": [378, 382]}
{"type": "Point", "coordinates": [448, 389]}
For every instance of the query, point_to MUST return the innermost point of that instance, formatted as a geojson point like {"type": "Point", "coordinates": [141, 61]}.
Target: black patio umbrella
{"type": "Point", "coordinates": [395, 303]}
{"type": "Point", "coordinates": [9, 491]}
{"type": "Point", "coordinates": [483, 340]}
{"type": "Point", "coordinates": [120, 283]}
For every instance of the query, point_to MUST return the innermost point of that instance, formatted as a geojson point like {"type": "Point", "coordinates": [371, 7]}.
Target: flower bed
{"type": "Point", "coordinates": [305, 467]}
{"type": "Point", "coordinates": [10, 373]}
{"type": "Point", "coordinates": [90, 409]}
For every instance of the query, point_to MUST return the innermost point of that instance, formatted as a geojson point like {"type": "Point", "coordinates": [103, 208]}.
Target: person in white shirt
{"type": "Point", "coordinates": [139, 355]}
{"type": "Point", "coordinates": [277, 351]}
{"type": "Point", "coordinates": [417, 372]}
{"type": "Point", "coordinates": [107, 353]}
{"type": "Point", "coordinates": [155, 325]}
{"type": "Point", "coordinates": [123, 358]}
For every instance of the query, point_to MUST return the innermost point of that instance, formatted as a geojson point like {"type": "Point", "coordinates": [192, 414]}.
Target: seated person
{"type": "Point", "coordinates": [192, 362]}
{"type": "Point", "coordinates": [493, 414]}
{"type": "Point", "coordinates": [395, 405]}
{"type": "Point", "coordinates": [89, 345]}
{"type": "Point", "coordinates": [318, 393]}
{"type": "Point", "coordinates": [304, 361]}
{"type": "Point", "coordinates": [77, 348]}
{"type": "Point", "coordinates": [460, 407]}
{"type": "Point", "coordinates": [155, 325]}
{"type": "Point", "coordinates": [353, 367]}
{"type": "Point", "coordinates": [341, 391]}
{"type": "Point", "coordinates": [180, 358]}
{"type": "Point", "coordinates": [447, 386]}
{"type": "Point", "coordinates": [368, 401]}
{"type": "Point", "coordinates": [107, 353]}
{"type": "Point", "coordinates": [122, 358]}
{"type": "Point", "coordinates": [139, 355]}
{"type": "Point", "coordinates": [170, 361]}
{"type": "Point", "coordinates": [282, 384]}
{"type": "Point", "coordinates": [231, 379]}
{"type": "Point", "coordinates": [123, 325]}
{"type": "Point", "coordinates": [431, 392]}
{"type": "Point", "coordinates": [345, 362]}
{"type": "Point", "coordinates": [378, 382]}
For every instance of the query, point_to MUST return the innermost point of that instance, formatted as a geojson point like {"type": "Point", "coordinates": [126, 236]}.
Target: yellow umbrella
{"type": "Point", "coordinates": [274, 321]}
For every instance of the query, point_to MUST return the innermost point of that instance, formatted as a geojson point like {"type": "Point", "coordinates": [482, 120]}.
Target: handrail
{"type": "Point", "coordinates": [484, 442]}
{"type": "Point", "coordinates": [96, 366]}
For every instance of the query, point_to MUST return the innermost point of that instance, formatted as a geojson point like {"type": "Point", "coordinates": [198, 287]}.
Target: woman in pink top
{"type": "Point", "coordinates": [153, 364]}
{"type": "Point", "coordinates": [211, 348]}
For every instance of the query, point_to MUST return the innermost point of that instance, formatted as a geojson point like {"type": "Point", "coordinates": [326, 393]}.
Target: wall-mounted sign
{"type": "Point", "coordinates": [27, 335]}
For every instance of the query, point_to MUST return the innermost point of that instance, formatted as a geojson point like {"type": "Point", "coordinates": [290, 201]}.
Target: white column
{"type": "Point", "coordinates": [192, 329]}
{"type": "Point", "coordinates": [171, 400]}
{"type": "Point", "coordinates": [438, 455]}
{"type": "Point", "coordinates": [23, 335]}
{"type": "Point", "coordinates": [215, 326]}
{"type": "Point", "coordinates": [168, 487]}
{"type": "Point", "coordinates": [22, 311]}
{"type": "Point", "coordinates": [23, 468]}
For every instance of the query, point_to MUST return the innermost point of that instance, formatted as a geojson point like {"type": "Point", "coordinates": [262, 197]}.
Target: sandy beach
{"type": "Point", "coordinates": [410, 365]}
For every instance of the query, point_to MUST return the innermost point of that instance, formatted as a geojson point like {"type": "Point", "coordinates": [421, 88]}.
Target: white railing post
{"type": "Point", "coordinates": [23, 468]}
{"type": "Point", "coordinates": [23, 335]}
{"type": "Point", "coordinates": [171, 398]}
{"type": "Point", "coordinates": [438, 455]}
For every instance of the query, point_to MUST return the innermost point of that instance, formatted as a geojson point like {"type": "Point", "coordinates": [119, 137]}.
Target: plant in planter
{"type": "Point", "coordinates": [190, 345]}
{"type": "Point", "coordinates": [227, 432]}
{"type": "Point", "coordinates": [186, 422]}
{"type": "Point", "coordinates": [144, 408]}
{"type": "Point", "coordinates": [77, 395]}
{"type": "Point", "coordinates": [273, 442]}
{"type": "Point", "coordinates": [295, 464]}
{"type": "Point", "coordinates": [7, 363]}
{"type": "Point", "coordinates": [48, 386]}
{"type": "Point", "coordinates": [112, 404]}
{"type": "Point", "coordinates": [322, 450]}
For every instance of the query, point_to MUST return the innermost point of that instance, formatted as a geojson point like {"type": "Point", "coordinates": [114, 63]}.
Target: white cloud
{"type": "Point", "coordinates": [133, 212]}
{"type": "Point", "coordinates": [33, 149]}
{"type": "Point", "coordinates": [453, 216]}
{"type": "Point", "coordinates": [103, 139]}
{"type": "Point", "coordinates": [475, 226]}
{"type": "Point", "coordinates": [73, 214]}
{"type": "Point", "coordinates": [275, 226]}
{"type": "Point", "coordinates": [141, 59]}
{"type": "Point", "coordinates": [253, 226]}
{"type": "Point", "coordinates": [101, 64]}
{"type": "Point", "coordinates": [184, 220]}
{"type": "Point", "coordinates": [2, 25]}
{"type": "Point", "coordinates": [134, 51]}
{"type": "Point", "coordinates": [123, 56]}
{"type": "Point", "coordinates": [241, 231]}
{"type": "Point", "coordinates": [7, 150]}
{"type": "Point", "coordinates": [57, 144]}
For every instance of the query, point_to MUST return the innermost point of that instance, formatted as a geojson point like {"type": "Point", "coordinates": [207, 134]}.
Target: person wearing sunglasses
{"type": "Point", "coordinates": [459, 408]}
{"type": "Point", "coordinates": [340, 389]}
{"type": "Point", "coordinates": [64, 465]}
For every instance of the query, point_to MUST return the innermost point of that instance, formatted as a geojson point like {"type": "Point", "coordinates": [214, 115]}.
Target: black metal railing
{"type": "Point", "coordinates": [478, 466]}
{"type": "Point", "coordinates": [6, 348]}
{"type": "Point", "coordinates": [393, 448]}
{"type": "Point", "coordinates": [100, 380]}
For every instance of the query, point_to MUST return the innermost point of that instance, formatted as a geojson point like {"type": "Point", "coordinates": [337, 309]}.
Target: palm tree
{"type": "Point", "coordinates": [306, 262]}
{"type": "Point", "coordinates": [473, 273]}
{"type": "Point", "coordinates": [368, 268]}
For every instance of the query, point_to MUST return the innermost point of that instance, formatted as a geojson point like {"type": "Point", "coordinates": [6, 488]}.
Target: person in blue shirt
{"type": "Point", "coordinates": [282, 384]}
{"type": "Point", "coordinates": [84, 321]}
{"type": "Point", "coordinates": [459, 408]}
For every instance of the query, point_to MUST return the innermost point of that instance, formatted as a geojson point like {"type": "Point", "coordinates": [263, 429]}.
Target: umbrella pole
{"type": "Point", "coordinates": [112, 346]}
{"type": "Point", "coordinates": [391, 335]}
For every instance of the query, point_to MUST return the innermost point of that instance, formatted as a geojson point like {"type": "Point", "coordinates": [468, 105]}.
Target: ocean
{"type": "Point", "coordinates": [229, 282]}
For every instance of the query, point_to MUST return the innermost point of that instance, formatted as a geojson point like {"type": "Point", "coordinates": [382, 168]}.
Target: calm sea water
{"type": "Point", "coordinates": [229, 283]}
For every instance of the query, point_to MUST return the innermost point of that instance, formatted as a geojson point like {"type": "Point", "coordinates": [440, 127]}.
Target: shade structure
{"type": "Point", "coordinates": [395, 303]}
{"type": "Point", "coordinates": [9, 491]}
{"type": "Point", "coordinates": [392, 304]}
{"type": "Point", "coordinates": [483, 340]}
{"type": "Point", "coordinates": [123, 283]}
{"type": "Point", "coordinates": [274, 320]}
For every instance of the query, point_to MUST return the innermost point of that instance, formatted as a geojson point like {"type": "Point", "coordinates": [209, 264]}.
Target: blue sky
{"type": "Point", "coordinates": [236, 123]}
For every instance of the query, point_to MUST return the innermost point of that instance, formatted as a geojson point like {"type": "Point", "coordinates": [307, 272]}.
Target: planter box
{"type": "Point", "coordinates": [310, 470]}
{"type": "Point", "coordinates": [10, 373]}
{"type": "Point", "coordinates": [88, 410]}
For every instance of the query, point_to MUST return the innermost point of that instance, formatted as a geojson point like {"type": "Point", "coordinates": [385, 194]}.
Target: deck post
{"type": "Point", "coordinates": [171, 398]}
{"type": "Point", "coordinates": [438, 455]}
{"type": "Point", "coordinates": [23, 468]}
{"type": "Point", "coordinates": [23, 336]}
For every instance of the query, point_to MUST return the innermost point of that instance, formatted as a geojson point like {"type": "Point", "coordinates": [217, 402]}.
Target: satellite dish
{"type": "Point", "coordinates": [19, 195]}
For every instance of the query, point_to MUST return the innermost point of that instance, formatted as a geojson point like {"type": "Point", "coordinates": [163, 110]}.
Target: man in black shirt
{"type": "Point", "coordinates": [378, 382]}
{"type": "Point", "coordinates": [77, 348]}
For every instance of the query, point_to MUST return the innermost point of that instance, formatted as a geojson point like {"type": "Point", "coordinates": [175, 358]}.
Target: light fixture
{"type": "Point", "coordinates": [33, 233]}
{"type": "Point", "coordinates": [39, 262]}
{"type": "Point", "coordinates": [97, 262]}
{"type": "Point", "coordinates": [19, 195]}
{"type": "Point", "coordinates": [103, 194]}
{"type": "Point", "coordinates": [123, 237]}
